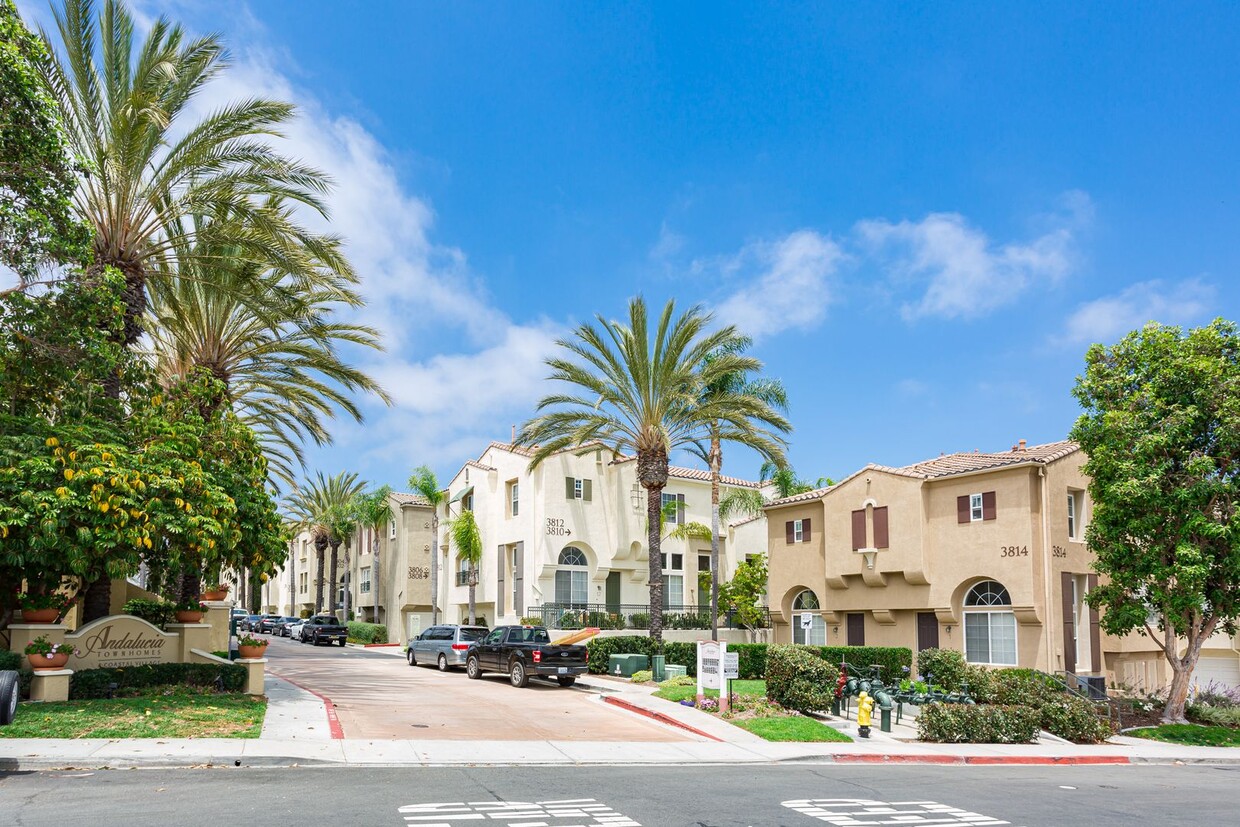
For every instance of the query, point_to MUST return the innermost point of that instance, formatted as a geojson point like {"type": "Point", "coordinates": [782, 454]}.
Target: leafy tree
{"type": "Point", "coordinates": [743, 502]}
{"type": "Point", "coordinates": [374, 510]}
{"type": "Point", "coordinates": [1161, 428]}
{"type": "Point", "coordinates": [424, 483]}
{"type": "Point", "coordinates": [321, 507]}
{"type": "Point", "coordinates": [467, 538]}
{"type": "Point", "coordinates": [37, 223]}
{"type": "Point", "coordinates": [743, 595]}
{"type": "Point", "coordinates": [637, 390]}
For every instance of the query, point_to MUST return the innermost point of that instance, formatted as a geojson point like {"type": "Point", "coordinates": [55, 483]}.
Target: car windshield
{"type": "Point", "coordinates": [472, 634]}
{"type": "Point", "coordinates": [529, 636]}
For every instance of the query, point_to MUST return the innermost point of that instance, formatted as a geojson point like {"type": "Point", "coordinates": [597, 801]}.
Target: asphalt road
{"type": "Point", "coordinates": [380, 696]}
{"type": "Point", "coordinates": [769, 796]}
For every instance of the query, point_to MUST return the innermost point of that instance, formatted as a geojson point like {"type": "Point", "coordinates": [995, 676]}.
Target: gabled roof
{"type": "Point", "coordinates": [963, 463]}
{"type": "Point", "coordinates": [796, 498]}
{"type": "Point", "coordinates": [693, 474]}
{"type": "Point", "coordinates": [473, 463]}
{"type": "Point", "coordinates": [409, 499]}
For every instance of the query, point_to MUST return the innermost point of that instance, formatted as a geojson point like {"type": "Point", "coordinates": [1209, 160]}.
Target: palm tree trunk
{"type": "Point", "coordinates": [292, 579]}
{"type": "Point", "coordinates": [435, 570]}
{"type": "Point", "coordinates": [473, 584]}
{"type": "Point", "coordinates": [348, 577]}
{"type": "Point", "coordinates": [716, 462]}
{"type": "Point", "coordinates": [375, 579]}
{"type": "Point", "coordinates": [331, 595]}
{"type": "Point", "coordinates": [654, 511]}
{"type": "Point", "coordinates": [318, 579]}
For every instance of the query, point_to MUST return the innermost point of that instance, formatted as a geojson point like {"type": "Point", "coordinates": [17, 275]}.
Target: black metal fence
{"type": "Point", "coordinates": [633, 616]}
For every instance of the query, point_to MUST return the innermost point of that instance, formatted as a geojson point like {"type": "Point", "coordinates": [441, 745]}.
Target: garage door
{"type": "Point", "coordinates": [1223, 671]}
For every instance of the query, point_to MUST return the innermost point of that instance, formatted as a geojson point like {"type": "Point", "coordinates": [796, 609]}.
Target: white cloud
{"type": "Point", "coordinates": [786, 283]}
{"type": "Point", "coordinates": [669, 244]}
{"type": "Point", "coordinates": [965, 274]}
{"type": "Point", "coordinates": [1110, 317]}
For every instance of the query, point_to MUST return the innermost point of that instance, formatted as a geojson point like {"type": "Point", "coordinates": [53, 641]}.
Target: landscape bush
{"type": "Point", "coordinates": [367, 632]}
{"type": "Point", "coordinates": [1074, 719]}
{"type": "Point", "coordinates": [642, 676]}
{"type": "Point", "coordinates": [155, 612]}
{"type": "Point", "coordinates": [531, 621]}
{"type": "Point", "coordinates": [978, 724]}
{"type": "Point", "coordinates": [601, 649]}
{"type": "Point", "coordinates": [798, 678]}
{"type": "Point", "coordinates": [944, 667]}
{"type": "Point", "coordinates": [679, 680]}
{"type": "Point", "coordinates": [1228, 716]}
{"type": "Point", "coordinates": [93, 683]}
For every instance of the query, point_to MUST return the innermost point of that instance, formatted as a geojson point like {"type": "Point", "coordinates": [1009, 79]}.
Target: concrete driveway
{"type": "Point", "coordinates": [378, 695]}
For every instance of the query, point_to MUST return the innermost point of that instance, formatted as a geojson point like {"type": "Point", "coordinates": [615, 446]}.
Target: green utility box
{"type": "Point", "coordinates": [675, 670]}
{"type": "Point", "coordinates": [657, 664]}
{"type": "Point", "coordinates": [624, 665]}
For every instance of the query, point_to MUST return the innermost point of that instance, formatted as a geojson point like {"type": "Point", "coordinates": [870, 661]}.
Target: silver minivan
{"type": "Point", "coordinates": [443, 645]}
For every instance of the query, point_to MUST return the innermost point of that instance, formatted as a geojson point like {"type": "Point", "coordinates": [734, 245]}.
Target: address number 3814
{"type": "Point", "coordinates": [1014, 551]}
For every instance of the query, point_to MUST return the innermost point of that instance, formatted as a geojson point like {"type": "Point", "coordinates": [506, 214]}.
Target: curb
{"type": "Point", "coordinates": [658, 716]}
{"type": "Point", "coordinates": [982, 760]}
{"type": "Point", "coordinates": [333, 722]}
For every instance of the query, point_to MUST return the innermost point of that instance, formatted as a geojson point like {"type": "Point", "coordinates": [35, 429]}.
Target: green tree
{"type": "Point", "coordinates": [1161, 427]}
{"type": "Point", "coordinates": [466, 536]}
{"type": "Point", "coordinates": [374, 510]}
{"type": "Point", "coordinates": [743, 595]}
{"type": "Point", "coordinates": [317, 507]}
{"type": "Point", "coordinates": [424, 483]}
{"type": "Point", "coordinates": [748, 502]}
{"type": "Point", "coordinates": [640, 391]}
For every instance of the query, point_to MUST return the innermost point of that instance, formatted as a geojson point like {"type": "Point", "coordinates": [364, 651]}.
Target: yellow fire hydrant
{"type": "Point", "coordinates": [865, 713]}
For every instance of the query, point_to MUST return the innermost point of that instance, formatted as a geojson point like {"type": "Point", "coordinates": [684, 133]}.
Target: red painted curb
{"type": "Point", "coordinates": [981, 760]}
{"type": "Point", "coordinates": [333, 723]}
{"type": "Point", "coordinates": [658, 716]}
{"type": "Point", "coordinates": [377, 645]}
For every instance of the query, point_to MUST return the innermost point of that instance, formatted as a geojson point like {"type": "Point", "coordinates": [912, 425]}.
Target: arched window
{"type": "Point", "coordinates": [572, 581]}
{"type": "Point", "coordinates": [989, 631]}
{"type": "Point", "coordinates": [807, 603]}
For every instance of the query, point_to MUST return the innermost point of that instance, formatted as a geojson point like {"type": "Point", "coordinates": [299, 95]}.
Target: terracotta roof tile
{"type": "Point", "coordinates": [796, 498]}
{"type": "Point", "coordinates": [473, 463]}
{"type": "Point", "coordinates": [693, 474]}
{"type": "Point", "coordinates": [409, 499]}
{"type": "Point", "coordinates": [962, 463]}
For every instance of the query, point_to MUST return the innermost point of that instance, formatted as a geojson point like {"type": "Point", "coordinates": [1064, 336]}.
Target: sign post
{"type": "Point", "coordinates": [715, 668]}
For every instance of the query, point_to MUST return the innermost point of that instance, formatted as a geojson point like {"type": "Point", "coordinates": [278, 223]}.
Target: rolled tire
{"type": "Point", "coordinates": [566, 682]}
{"type": "Point", "coordinates": [411, 657]}
{"type": "Point", "coordinates": [517, 675]}
{"type": "Point", "coordinates": [473, 669]}
{"type": "Point", "coordinates": [8, 696]}
{"type": "Point", "coordinates": [443, 662]}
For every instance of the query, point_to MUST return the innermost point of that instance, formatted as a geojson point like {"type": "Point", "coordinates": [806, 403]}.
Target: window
{"type": "Point", "coordinates": [576, 488]}
{"type": "Point", "coordinates": [989, 632]}
{"type": "Point", "coordinates": [816, 633]}
{"type": "Point", "coordinates": [673, 580]}
{"type": "Point", "coordinates": [972, 508]}
{"type": "Point", "coordinates": [674, 508]}
{"type": "Point", "coordinates": [391, 529]}
{"type": "Point", "coordinates": [798, 531]}
{"type": "Point", "coordinates": [365, 580]}
{"type": "Point", "coordinates": [467, 502]}
{"type": "Point", "coordinates": [572, 581]}
{"type": "Point", "coordinates": [975, 507]}
{"type": "Point", "coordinates": [1074, 515]}
{"type": "Point", "coordinates": [303, 582]}
{"type": "Point", "coordinates": [513, 498]}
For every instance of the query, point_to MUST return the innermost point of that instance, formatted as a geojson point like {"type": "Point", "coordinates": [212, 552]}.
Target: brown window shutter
{"type": "Point", "coordinates": [789, 533]}
{"type": "Point", "coordinates": [858, 529]}
{"type": "Point", "coordinates": [1095, 634]}
{"type": "Point", "coordinates": [499, 593]}
{"type": "Point", "coordinates": [1069, 651]}
{"type": "Point", "coordinates": [518, 588]}
{"type": "Point", "coordinates": [963, 512]}
{"type": "Point", "coordinates": [988, 505]}
{"type": "Point", "coordinates": [570, 488]}
{"type": "Point", "coordinates": [880, 527]}
{"type": "Point", "coordinates": [805, 530]}
{"type": "Point", "coordinates": [585, 490]}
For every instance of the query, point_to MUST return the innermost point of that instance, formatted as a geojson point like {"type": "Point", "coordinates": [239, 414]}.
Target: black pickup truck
{"type": "Point", "coordinates": [525, 651]}
{"type": "Point", "coordinates": [324, 628]}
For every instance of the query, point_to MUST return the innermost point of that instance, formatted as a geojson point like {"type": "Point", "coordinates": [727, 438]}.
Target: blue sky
{"type": "Point", "coordinates": [924, 213]}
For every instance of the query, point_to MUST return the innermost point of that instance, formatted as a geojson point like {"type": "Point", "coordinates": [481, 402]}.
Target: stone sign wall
{"type": "Point", "coordinates": [119, 641]}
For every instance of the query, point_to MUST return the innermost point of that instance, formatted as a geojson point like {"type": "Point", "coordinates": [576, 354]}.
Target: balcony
{"type": "Point", "coordinates": [633, 616]}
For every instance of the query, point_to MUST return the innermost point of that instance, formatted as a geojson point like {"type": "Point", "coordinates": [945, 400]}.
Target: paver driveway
{"type": "Point", "coordinates": [380, 696]}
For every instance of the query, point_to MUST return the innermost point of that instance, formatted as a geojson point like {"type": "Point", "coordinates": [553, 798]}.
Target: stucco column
{"type": "Point", "coordinates": [50, 685]}
{"type": "Point", "coordinates": [218, 615]}
{"type": "Point", "coordinates": [192, 636]}
{"type": "Point", "coordinates": [21, 634]}
{"type": "Point", "coordinates": [255, 674]}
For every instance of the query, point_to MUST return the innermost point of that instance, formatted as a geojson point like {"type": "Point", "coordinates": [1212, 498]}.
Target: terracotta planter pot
{"type": "Point", "coordinates": [40, 615]}
{"type": "Point", "coordinates": [42, 662]}
{"type": "Point", "coordinates": [252, 651]}
{"type": "Point", "coordinates": [189, 617]}
{"type": "Point", "coordinates": [214, 594]}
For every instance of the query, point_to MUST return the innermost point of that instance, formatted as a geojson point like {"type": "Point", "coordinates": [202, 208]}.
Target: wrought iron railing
{"type": "Point", "coordinates": [634, 616]}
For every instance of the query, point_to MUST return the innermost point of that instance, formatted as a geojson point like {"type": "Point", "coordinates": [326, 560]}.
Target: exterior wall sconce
{"type": "Point", "coordinates": [948, 628]}
{"type": "Point", "coordinates": [835, 630]}
{"type": "Point", "coordinates": [635, 497]}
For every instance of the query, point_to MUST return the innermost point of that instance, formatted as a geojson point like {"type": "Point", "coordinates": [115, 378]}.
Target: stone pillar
{"type": "Point", "coordinates": [255, 674]}
{"type": "Point", "coordinates": [21, 634]}
{"type": "Point", "coordinates": [192, 636]}
{"type": "Point", "coordinates": [50, 685]}
{"type": "Point", "coordinates": [219, 612]}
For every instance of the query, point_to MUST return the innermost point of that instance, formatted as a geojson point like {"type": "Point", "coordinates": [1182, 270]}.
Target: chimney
{"type": "Point", "coordinates": [513, 441]}
{"type": "Point", "coordinates": [1022, 446]}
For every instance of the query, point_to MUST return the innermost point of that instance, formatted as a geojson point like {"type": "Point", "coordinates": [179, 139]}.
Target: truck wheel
{"type": "Point", "coordinates": [315, 639]}
{"type": "Point", "coordinates": [343, 643]}
{"type": "Point", "coordinates": [443, 662]}
{"type": "Point", "coordinates": [413, 660]}
{"type": "Point", "coordinates": [517, 675]}
{"type": "Point", "coordinates": [8, 696]}
{"type": "Point", "coordinates": [473, 669]}
{"type": "Point", "coordinates": [569, 681]}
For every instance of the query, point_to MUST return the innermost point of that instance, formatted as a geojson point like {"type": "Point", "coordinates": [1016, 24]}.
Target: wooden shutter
{"type": "Point", "coordinates": [585, 490]}
{"type": "Point", "coordinates": [805, 530]}
{"type": "Point", "coordinates": [856, 629]}
{"type": "Point", "coordinates": [1095, 635]}
{"type": "Point", "coordinates": [1069, 632]}
{"type": "Point", "coordinates": [880, 527]}
{"type": "Point", "coordinates": [570, 488]}
{"type": "Point", "coordinates": [790, 535]}
{"type": "Point", "coordinates": [988, 505]}
{"type": "Point", "coordinates": [518, 600]}
{"type": "Point", "coordinates": [964, 513]}
{"type": "Point", "coordinates": [858, 529]}
{"type": "Point", "coordinates": [499, 594]}
{"type": "Point", "coordinates": [680, 509]}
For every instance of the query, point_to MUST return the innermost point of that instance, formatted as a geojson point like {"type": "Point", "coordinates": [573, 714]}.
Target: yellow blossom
{"type": "Point", "coordinates": [52, 442]}
{"type": "Point", "coordinates": [68, 473]}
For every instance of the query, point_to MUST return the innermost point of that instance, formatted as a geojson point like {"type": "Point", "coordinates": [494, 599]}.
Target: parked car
{"type": "Point", "coordinates": [444, 646]}
{"type": "Point", "coordinates": [248, 623]}
{"type": "Point", "coordinates": [294, 629]}
{"type": "Point", "coordinates": [280, 627]}
{"type": "Point", "coordinates": [322, 628]}
{"type": "Point", "coordinates": [266, 623]}
{"type": "Point", "coordinates": [525, 651]}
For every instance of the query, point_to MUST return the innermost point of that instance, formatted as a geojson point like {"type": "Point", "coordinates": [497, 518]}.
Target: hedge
{"type": "Point", "coordinates": [946, 668]}
{"type": "Point", "coordinates": [978, 724]}
{"type": "Point", "coordinates": [798, 679]}
{"type": "Point", "coordinates": [93, 683]}
{"type": "Point", "coordinates": [367, 632]}
{"type": "Point", "coordinates": [14, 661]}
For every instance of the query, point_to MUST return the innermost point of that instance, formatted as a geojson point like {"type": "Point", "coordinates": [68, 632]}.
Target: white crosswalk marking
{"type": "Point", "coordinates": [862, 812]}
{"type": "Point", "coordinates": [583, 812]}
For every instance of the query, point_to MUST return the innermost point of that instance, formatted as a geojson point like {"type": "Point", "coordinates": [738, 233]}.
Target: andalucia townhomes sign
{"type": "Point", "coordinates": [121, 641]}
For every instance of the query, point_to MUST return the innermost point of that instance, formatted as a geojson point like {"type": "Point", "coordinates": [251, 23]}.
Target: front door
{"type": "Point", "coordinates": [613, 592]}
{"type": "Point", "coordinates": [927, 631]}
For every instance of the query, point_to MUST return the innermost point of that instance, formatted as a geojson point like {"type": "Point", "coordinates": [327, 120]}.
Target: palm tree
{"type": "Point", "coordinates": [424, 483]}
{"type": "Point", "coordinates": [125, 108]}
{"type": "Point", "coordinates": [316, 508]}
{"type": "Point", "coordinates": [748, 502]}
{"type": "Point", "coordinates": [342, 524]}
{"type": "Point", "coordinates": [373, 510]}
{"type": "Point", "coordinates": [468, 541]}
{"type": "Point", "coordinates": [764, 395]}
{"type": "Point", "coordinates": [643, 394]}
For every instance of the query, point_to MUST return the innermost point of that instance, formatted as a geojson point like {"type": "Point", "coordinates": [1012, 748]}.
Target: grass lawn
{"type": "Point", "coordinates": [182, 714]}
{"type": "Point", "coordinates": [1191, 735]}
{"type": "Point", "coordinates": [791, 728]}
{"type": "Point", "coordinates": [684, 693]}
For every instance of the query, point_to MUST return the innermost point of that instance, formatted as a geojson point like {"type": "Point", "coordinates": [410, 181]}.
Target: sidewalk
{"type": "Point", "coordinates": [298, 732]}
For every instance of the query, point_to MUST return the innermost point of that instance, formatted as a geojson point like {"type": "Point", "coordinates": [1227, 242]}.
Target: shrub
{"type": "Point", "coordinates": [531, 621]}
{"type": "Point", "coordinates": [10, 660]}
{"type": "Point", "coordinates": [981, 683]}
{"type": "Point", "coordinates": [639, 620]}
{"type": "Point", "coordinates": [601, 649]}
{"type": "Point", "coordinates": [1075, 719]}
{"type": "Point", "coordinates": [305, 614]}
{"type": "Point", "coordinates": [977, 724]}
{"type": "Point", "coordinates": [680, 680]}
{"type": "Point", "coordinates": [946, 668]}
{"type": "Point", "coordinates": [1024, 686]}
{"type": "Point", "coordinates": [367, 632]}
{"type": "Point", "coordinates": [154, 612]}
{"type": "Point", "coordinates": [797, 678]}
{"type": "Point", "coordinates": [642, 676]}
{"type": "Point", "coordinates": [894, 660]}
{"type": "Point", "coordinates": [1215, 694]}
{"type": "Point", "coordinates": [1228, 716]}
{"type": "Point", "coordinates": [93, 683]}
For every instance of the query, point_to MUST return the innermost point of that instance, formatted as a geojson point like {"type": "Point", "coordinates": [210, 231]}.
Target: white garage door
{"type": "Point", "coordinates": [1224, 671]}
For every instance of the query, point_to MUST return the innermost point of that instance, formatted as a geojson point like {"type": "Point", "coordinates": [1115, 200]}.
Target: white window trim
{"type": "Point", "coordinates": [1004, 610]}
{"type": "Point", "coordinates": [364, 580]}
{"type": "Point", "coordinates": [1074, 516]}
{"type": "Point", "coordinates": [798, 531]}
{"type": "Point", "coordinates": [578, 488]}
{"type": "Point", "coordinates": [514, 499]}
{"type": "Point", "coordinates": [976, 512]}
{"type": "Point", "coordinates": [391, 529]}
